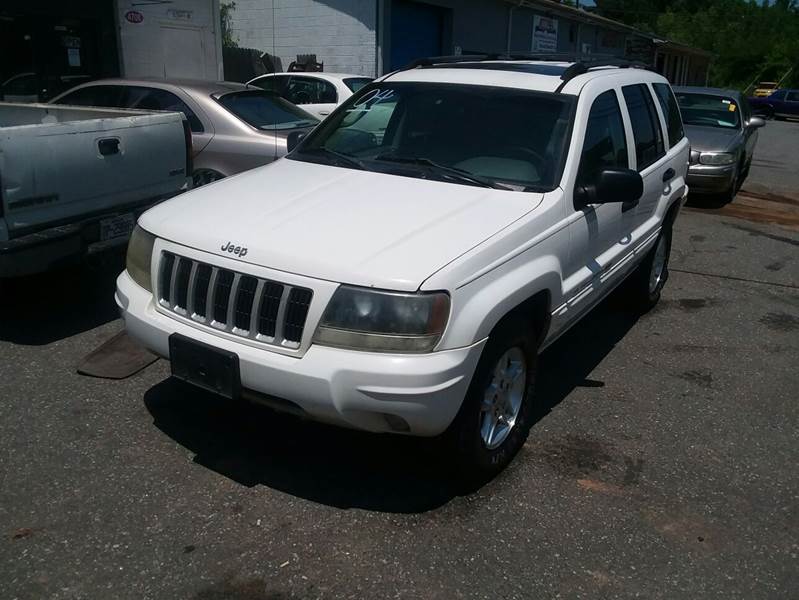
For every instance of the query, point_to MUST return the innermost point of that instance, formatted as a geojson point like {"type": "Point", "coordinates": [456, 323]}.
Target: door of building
{"type": "Point", "coordinates": [417, 30]}
{"type": "Point", "coordinates": [183, 52]}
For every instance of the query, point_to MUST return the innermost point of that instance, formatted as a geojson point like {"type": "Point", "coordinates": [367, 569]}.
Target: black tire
{"type": "Point", "coordinates": [729, 194]}
{"type": "Point", "coordinates": [202, 177]}
{"type": "Point", "coordinates": [638, 291]}
{"type": "Point", "coordinates": [476, 462]}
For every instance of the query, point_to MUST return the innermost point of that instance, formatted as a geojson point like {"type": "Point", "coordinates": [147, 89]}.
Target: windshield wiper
{"type": "Point", "coordinates": [452, 172]}
{"type": "Point", "coordinates": [339, 156]}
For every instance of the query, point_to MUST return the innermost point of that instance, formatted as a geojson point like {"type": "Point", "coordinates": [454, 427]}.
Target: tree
{"type": "Point", "coordinates": [225, 14]}
{"type": "Point", "coordinates": [750, 40]}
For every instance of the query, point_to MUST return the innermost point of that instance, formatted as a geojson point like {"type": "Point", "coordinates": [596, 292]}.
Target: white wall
{"type": "Point", "coordinates": [340, 32]}
{"type": "Point", "coordinates": [178, 39]}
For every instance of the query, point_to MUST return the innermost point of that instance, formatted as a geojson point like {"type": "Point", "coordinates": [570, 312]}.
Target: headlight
{"type": "Point", "coordinates": [716, 158]}
{"type": "Point", "coordinates": [140, 255]}
{"type": "Point", "coordinates": [364, 319]}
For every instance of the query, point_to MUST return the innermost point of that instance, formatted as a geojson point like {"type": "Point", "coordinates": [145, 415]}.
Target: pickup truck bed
{"type": "Point", "coordinates": [74, 179]}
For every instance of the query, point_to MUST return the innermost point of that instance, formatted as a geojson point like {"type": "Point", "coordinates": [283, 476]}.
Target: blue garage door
{"type": "Point", "coordinates": [416, 31]}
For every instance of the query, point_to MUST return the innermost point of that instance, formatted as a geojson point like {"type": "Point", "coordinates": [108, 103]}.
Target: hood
{"type": "Point", "coordinates": [343, 225]}
{"type": "Point", "coordinates": [711, 139]}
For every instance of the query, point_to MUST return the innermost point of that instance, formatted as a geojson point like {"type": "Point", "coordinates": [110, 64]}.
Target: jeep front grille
{"type": "Point", "coordinates": [254, 308]}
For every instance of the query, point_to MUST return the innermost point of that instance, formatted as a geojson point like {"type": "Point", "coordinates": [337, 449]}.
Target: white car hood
{"type": "Point", "coordinates": [343, 225]}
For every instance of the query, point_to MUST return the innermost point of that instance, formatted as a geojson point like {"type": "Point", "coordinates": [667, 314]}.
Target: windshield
{"type": "Point", "coordinates": [356, 83]}
{"type": "Point", "coordinates": [707, 110]}
{"type": "Point", "coordinates": [507, 137]}
{"type": "Point", "coordinates": [263, 110]}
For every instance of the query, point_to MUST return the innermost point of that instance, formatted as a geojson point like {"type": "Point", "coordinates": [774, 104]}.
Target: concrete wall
{"type": "Point", "coordinates": [175, 39]}
{"type": "Point", "coordinates": [571, 35]}
{"type": "Point", "coordinates": [340, 32]}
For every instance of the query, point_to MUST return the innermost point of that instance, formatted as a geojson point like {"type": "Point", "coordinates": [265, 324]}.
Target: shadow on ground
{"type": "Point", "coordinates": [44, 308]}
{"type": "Point", "coordinates": [254, 446]}
{"type": "Point", "coordinates": [707, 201]}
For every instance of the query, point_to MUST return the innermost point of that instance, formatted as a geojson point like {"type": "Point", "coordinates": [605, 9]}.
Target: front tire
{"type": "Point", "coordinates": [202, 177]}
{"type": "Point", "coordinates": [498, 410]}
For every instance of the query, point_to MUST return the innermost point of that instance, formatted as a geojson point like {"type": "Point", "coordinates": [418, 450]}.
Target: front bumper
{"type": "Point", "coordinates": [418, 394]}
{"type": "Point", "coordinates": [710, 179]}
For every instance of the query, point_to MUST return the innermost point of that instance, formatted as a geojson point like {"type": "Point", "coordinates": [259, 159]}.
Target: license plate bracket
{"type": "Point", "coordinates": [116, 227]}
{"type": "Point", "coordinates": [205, 366]}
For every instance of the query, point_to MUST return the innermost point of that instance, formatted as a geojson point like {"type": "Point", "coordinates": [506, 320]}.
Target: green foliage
{"type": "Point", "coordinates": [751, 41]}
{"type": "Point", "coordinates": [225, 12]}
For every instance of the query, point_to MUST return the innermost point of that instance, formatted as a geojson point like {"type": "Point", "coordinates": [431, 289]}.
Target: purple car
{"type": "Point", "coordinates": [780, 104]}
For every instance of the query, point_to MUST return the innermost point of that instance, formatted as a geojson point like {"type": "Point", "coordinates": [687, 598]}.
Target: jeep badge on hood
{"type": "Point", "coordinates": [240, 251]}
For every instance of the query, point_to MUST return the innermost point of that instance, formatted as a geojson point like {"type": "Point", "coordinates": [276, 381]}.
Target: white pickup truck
{"type": "Point", "coordinates": [403, 267]}
{"type": "Point", "coordinates": [73, 180]}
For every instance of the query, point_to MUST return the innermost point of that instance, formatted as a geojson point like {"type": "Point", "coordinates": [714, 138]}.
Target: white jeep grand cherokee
{"type": "Point", "coordinates": [403, 267]}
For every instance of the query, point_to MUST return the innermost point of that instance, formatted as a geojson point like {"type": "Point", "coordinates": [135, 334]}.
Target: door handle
{"type": "Point", "coordinates": [108, 146]}
{"type": "Point", "coordinates": [324, 113]}
{"type": "Point", "coordinates": [668, 175]}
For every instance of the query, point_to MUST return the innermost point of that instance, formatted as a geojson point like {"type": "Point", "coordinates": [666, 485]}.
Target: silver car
{"type": "Point", "coordinates": [233, 127]}
{"type": "Point", "coordinates": [723, 133]}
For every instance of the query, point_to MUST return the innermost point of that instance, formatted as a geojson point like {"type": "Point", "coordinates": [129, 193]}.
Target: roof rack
{"type": "Point", "coordinates": [582, 63]}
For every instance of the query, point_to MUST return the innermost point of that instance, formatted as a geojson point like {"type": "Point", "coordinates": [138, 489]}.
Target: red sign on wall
{"type": "Point", "coordinates": [134, 16]}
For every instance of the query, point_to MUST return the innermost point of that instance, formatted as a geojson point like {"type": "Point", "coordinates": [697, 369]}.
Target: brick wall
{"type": "Point", "coordinates": [340, 32]}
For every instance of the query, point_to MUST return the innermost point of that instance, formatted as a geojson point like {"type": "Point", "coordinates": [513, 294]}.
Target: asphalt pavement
{"type": "Point", "coordinates": [664, 467]}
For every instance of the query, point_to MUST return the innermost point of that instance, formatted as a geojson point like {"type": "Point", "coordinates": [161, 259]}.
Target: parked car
{"type": "Point", "coordinates": [233, 127]}
{"type": "Point", "coordinates": [33, 87]}
{"type": "Point", "coordinates": [765, 88]}
{"type": "Point", "coordinates": [318, 93]}
{"type": "Point", "coordinates": [723, 134]}
{"type": "Point", "coordinates": [406, 282]}
{"type": "Point", "coordinates": [73, 180]}
{"type": "Point", "coordinates": [781, 104]}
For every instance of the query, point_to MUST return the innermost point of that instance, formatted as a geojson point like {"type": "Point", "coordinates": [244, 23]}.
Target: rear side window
{"type": "Point", "coordinates": [95, 95]}
{"type": "Point", "coordinates": [671, 111]}
{"type": "Point", "coordinates": [605, 145]}
{"type": "Point", "coordinates": [646, 126]}
{"type": "Point", "coordinates": [143, 98]}
{"type": "Point", "coordinates": [264, 110]}
{"type": "Point", "coordinates": [793, 97]}
{"type": "Point", "coordinates": [271, 84]}
{"type": "Point", "coordinates": [307, 90]}
{"type": "Point", "coordinates": [356, 83]}
{"type": "Point", "coordinates": [780, 95]}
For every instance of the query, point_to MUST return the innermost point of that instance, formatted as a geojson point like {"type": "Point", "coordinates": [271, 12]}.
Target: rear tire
{"type": "Point", "coordinates": [644, 285]}
{"type": "Point", "coordinates": [498, 410]}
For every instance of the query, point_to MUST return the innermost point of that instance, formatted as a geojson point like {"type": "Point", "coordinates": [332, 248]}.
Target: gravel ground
{"type": "Point", "coordinates": [666, 466]}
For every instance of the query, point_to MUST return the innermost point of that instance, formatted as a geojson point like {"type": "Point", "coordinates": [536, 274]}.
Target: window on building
{"type": "Point", "coordinates": [144, 98]}
{"type": "Point", "coordinates": [605, 145]}
{"type": "Point", "coordinates": [648, 136]}
{"type": "Point", "coordinates": [671, 111]}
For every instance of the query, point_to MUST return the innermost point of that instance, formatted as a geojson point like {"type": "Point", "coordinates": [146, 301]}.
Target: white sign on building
{"type": "Point", "coordinates": [545, 34]}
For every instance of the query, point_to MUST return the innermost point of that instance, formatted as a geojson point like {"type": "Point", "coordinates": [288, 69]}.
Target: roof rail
{"type": "Point", "coordinates": [582, 63]}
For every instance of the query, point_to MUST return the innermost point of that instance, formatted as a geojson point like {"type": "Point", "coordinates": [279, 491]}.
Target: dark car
{"type": "Point", "coordinates": [723, 133]}
{"type": "Point", "coordinates": [780, 104]}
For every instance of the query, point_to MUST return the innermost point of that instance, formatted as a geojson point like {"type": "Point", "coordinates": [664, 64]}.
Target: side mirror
{"type": "Point", "coordinates": [611, 185]}
{"type": "Point", "coordinates": [295, 137]}
{"type": "Point", "coordinates": [756, 122]}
